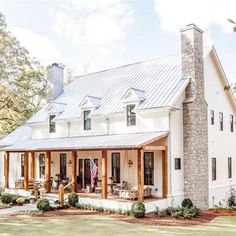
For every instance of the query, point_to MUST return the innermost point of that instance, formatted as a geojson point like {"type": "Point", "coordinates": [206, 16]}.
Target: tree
{"type": "Point", "coordinates": [234, 23]}
{"type": "Point", "coordinates": [22, 85]}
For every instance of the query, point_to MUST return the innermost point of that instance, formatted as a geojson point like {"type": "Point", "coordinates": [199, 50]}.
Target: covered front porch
{"type": "Point", "coordinates": [128, 168]}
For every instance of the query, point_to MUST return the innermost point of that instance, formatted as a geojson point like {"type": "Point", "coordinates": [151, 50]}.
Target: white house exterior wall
{"type": "Point", "coordinates": [221, 143]}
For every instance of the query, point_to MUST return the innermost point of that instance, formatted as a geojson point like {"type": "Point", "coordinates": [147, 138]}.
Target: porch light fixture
{"type": "Point", "coordinates": [130, 163]}
{"type": "Point", "coordinates": [51, 162]}
{"type": "Point", "coordinates": [69, 162]}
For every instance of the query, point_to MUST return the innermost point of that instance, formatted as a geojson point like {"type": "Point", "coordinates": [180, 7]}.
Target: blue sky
{"type": "Point", "coordinates": [98, 34]}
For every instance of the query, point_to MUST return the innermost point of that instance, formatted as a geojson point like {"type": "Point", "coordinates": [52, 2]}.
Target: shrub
{"type": "Point", "coordinates": [20, 201]}
{"type": "Point", "coordinates": [231, 199]}
{"type": "Point", "coordinates": [73, 199]}
{"type": "Point", "coordinates": [43, 204]}
{"type": "Point", "coordinates": [14, 197]}
{"type": "Point", "coordinates": [6, 198]}
{"type": "Point", "coordinates": [138, 210]}
{"type": "Point", "coordinates": [187, 203]}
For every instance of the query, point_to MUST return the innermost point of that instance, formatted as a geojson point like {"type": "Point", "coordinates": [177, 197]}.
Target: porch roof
{"type": "Point", "coordinates": [115, 141]}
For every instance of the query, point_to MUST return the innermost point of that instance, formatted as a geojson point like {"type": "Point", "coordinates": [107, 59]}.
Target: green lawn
{"type": "Point", "coordinates": [81, 225]}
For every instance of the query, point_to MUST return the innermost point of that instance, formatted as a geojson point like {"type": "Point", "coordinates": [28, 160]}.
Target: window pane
{"type": "Point", "coordinates": [231, 117]}
{"type": "Point", "coordinates": [229, 167]}
{"type": "Point", "coordinates": [148, 168]}
{"type": "Point", "coordinates": [115, 167]}
{"type": "Point", "coordinates": [221, 120]}
{"type": "Point", "coordinates": [87, 120]}
{"type": "Point", "coordinates": [177, 163]}
{"type": "Point", "coordinates": [213, 169]}
{"type": "Point", "coordinates": [212, 117]}
{"type": "Point", "coordinates": [41, 165]}
{"type": "Point", "coordinates": [131, 116]}
{"type": "Point", "coordinates": [52, 125]}
{"type": "Point", "coordinates": [63, 161]}
{"type": "Point", "coordinates": [22, 164]}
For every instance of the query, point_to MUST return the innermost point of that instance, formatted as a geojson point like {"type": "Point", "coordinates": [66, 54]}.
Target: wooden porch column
{"type": "Point", "coordinates": [164, 174]}
{"type": "Point", "coordinates": [26, 171]}
{"type": "Point", "coordinates": [104, 174]}
{"type": "Point", "coordinates": [6, 169]}
{"type": "Point", "coordinates": [32, 165]}
{"type": "Point", "coordinates": [74, 175]}
{"type": "Point", "coordinates": [48, 171]}
{"type": "Point", "coordinates": [140, 175]}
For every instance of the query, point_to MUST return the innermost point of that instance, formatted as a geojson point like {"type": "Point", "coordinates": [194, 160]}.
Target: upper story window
{"type": "Point", "coordinates": [221, 120]}
{"type": "Point", "coordinates": [229, 167]}
{"type": "Point", "coordinates": [131, 116]}
{"type": "Point", "coordinates": [212, 117]}
{"type": "Point", "coordinates": [177, 164]}
{"type": "Point", "coordinates": [52, 124]}
{"type": "Point", "coordinates": [231, 121]}
{"type": "Point", "coordinates": [87, 120]}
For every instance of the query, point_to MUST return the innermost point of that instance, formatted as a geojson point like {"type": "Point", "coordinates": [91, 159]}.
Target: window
{"type": "Point", "coordinates": [221, 120]}
{"type": "Point", "coordinates": [229, 167]}
{"type": "Point", "coordinates": [177, 164]}
{"type": "Point", "coordinates": [41, 166]}
{"type": "Point", "coordinates": [131, 116]}
{"type": "Point", "coordinates": [52, 125]}
{"type": "Point", "coordinates": [231, 121]}
{"type": "Point", "coordinates": [22, 159]}
{"type": "Point", "coordinates": [115, 167]}
{"type": "Point", "coordinates": [149, 168]}
{"type": "Point", "coordinates": [63, 165]}
{"type": "Point", "coordinates": [212, 117]}
{"type": "Point", "coordinates": [213, 169]}
{"type": "Point", "coordinates": [87, 120]}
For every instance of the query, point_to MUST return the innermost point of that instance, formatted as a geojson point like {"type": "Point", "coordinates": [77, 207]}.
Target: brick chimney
{"type": "Point", "coordinates": [196, 186]}
{"type": "Point", "coordinates": [55, 81]}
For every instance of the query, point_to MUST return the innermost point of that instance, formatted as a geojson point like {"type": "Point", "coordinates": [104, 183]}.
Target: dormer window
{"type": "Point", "coordinates": [87, 120]}
{"type": "Point", "coordinates": [131, 116]}
{"type": "Point", "coordinates": [52, 124]}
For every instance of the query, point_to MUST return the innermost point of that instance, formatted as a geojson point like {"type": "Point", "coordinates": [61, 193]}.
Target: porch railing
{"type": "Point", "coordinates": [61, 192]}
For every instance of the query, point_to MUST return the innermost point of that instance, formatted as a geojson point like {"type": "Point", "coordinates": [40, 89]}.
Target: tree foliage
{"type": "Point", "coordinates": [234, 24]}
{"type": "Point", "coordinates": [22, 84]}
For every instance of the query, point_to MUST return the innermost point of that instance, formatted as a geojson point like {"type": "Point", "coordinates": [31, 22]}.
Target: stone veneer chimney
{"type": "Point", "coordinates": [196, 186]}
{"type": "Point", "coordinates": [55, 81]}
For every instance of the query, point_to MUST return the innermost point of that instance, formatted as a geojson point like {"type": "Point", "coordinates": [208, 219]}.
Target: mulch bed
{"type": "Point", "coordinates": [150, 219]}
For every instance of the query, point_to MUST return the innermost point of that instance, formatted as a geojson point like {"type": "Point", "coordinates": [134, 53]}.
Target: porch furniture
{"type": "Point", "coordinates": [121, 186]}
{"type": "Point", "coordinates": [133, 193]}
{"type": "Point", "coordinates": [112, 185]}
{"type": "Point", "coordinates": [19, 183]}
{"type": "Point", "coordinates": [98, 188]}
{"type": "Point", "coordinates": [65, 181]}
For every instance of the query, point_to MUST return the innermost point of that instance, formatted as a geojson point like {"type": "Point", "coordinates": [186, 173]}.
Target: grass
{"type": "Point", "coordinates": [99, 226]}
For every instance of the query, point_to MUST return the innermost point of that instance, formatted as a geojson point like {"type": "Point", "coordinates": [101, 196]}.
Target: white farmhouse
{"type": "Point", "coordinates": [158, 131]}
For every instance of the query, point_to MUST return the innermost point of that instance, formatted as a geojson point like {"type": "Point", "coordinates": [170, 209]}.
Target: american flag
{"type": "Point", "coordinates": [93, 170]}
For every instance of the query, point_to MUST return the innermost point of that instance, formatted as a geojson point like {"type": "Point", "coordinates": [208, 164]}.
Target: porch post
{"type": "Point", "coordinates": [32, 165]}
{"type": "Point", "coordinates": [26, 171]}
{"type": "Point", "coordinates": [6, 169]}
{"type": "Point", "coordinates": [48, 171]}
{"type": "Point", "coordinates": [140, 175]}
{"type": "Point", "coordinates": [104, 174]}
{"type": "Point", "coordinates": [164, 174]}
{"type": "Point", "coordinates": [74, 175]}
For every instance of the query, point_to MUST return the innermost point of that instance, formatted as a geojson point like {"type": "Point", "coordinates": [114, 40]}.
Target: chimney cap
{"type": "Point", "coordinates": [55, 64]}
{"type": "Point", "coordinates": [191, 27]}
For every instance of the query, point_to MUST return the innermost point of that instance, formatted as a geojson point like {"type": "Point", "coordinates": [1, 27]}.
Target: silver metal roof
{"type": "Point", "coordinates": [135, 140]}
{"type": "Point", "coordinates": [160, 80]}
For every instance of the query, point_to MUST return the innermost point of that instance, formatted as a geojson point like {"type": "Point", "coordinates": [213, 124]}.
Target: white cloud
{"type": "Point", "coordinates": [39, 46]}
{"type": "Point", "coordinates": [174, 15]}
{"type": "Point", "coordinates": [95, 24]}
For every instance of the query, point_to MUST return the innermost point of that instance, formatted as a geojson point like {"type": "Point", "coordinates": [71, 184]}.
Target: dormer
{"type": "Point", "coordinates": [134, 96]}
{"type": "Point", "coordinates": [55, 108]}
{"type": "Point", "coordinates": [90, 103]}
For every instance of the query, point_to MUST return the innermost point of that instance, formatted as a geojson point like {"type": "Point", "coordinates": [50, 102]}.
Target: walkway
{"type": "Point", "coordinates": [15, 209]}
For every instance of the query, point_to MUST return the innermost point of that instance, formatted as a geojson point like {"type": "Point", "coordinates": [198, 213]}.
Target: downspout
{"type": "Point", "coordinates": [108, 125]}
{"type": "Point", "coordinates": [169, 158]}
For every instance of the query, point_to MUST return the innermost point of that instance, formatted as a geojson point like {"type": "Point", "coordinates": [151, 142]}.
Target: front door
{"type": "Point", "coordinates": [87, 173]}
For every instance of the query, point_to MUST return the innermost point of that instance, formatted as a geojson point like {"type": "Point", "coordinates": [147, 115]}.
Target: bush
{"type": "Point", "coordinates": [43, 204]}
{"type": "Point", "coordinates": [14, 197]}
{"type": "Point", "coordinates": [20, 201]}
{"type": "Point", "coordinates": [73, 199]}
{"type": "Point", "coordinates": [138, 210]}
{"type": "Point", "coordinates": [187, 203]}
{"type": "Point", "coordinates": [231, 199]}
{"type": "Point", "coordinates": [6, 198]}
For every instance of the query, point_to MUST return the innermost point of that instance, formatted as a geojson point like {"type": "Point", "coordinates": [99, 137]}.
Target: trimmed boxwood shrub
{"type": "Point", "coordinates": [138, 210]}
{"type": "Point", "coordinates": [14, 197]}
{"type": "Point", "coordinates": [6, 198]}
{"type": "Point", "coordinates": [187, 203]}
{"type": "Point", "coordinates": [43, 204]}
{"type": "Point", "coordinates": [73, 199]}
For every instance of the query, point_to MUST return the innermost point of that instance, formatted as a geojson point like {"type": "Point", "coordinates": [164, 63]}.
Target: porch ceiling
{"type": "Point", "coordinates": [95, 142]}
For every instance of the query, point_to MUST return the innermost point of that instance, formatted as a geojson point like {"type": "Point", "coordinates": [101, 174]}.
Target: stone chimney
{"type": "Point", "coordinates": [55, 81]}
{"type": "Point", "coordinates": [196, 186]}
